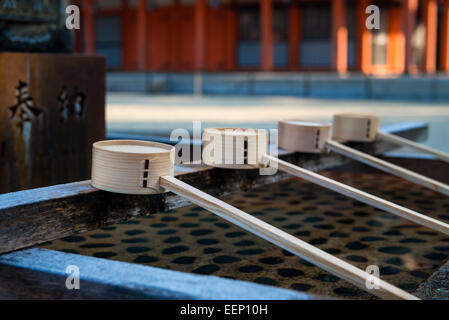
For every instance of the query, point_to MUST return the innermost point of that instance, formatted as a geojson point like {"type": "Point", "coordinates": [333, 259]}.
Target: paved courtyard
{"type": "Point", "coordinates": [160, 114]}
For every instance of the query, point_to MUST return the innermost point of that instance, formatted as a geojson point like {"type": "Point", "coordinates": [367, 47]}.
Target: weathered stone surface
{"type": "Point", "coordinates": [437, 286]}
{"type": "Point", "coordinates": [41, 274]}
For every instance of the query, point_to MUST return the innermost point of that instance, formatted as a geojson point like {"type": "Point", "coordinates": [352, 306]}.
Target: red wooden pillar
{"type": "Point", "coordinates": [396, 38]}
{"type": "Point", "coordinates": [364, 37]}
{"type": "Point", "coordinates": [141, 34]}
{"type": "Point", "coordinates": [444, 46]}
{"type": "Point", "coordinates": [126, 54]}
{"type": "Point", "coordinates": [175, 52]}
{"type": "Point", "coordinates": [339, 37]}
{"type": "Point", "coordinates": [409, 12]}
{"type": "Point", "coordinates": [431, 22]}
{"type": "Point", "coordinates": [294, 35]}
{"type": "Point", "coordinates": [89, 27]}
{"type": "Point", "coordinates": [200, 34]}
{"type": "Point", "coordinates": [232, 34]}
{"type": "Point", "coordinates": [266, 10]}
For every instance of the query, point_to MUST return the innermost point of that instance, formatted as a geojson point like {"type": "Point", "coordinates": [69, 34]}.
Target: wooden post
{"type": "Point", "coordinates": [266, 8]}
{"type": "Point", "coordinates": [339, 37]}
{"type": "Point", "coordinates": [89, 27]}
{"type": "Point", "coordinates": [141, 34]}
{"type": "Point", "coordinates": [364, 38]}
{"type": "Point", "coordinates": [294, 35]}
{"type": "Point", "coordinates": [430, 14]}
{"type": "Point", "coordinates": [409, 11]}
{"type": "Point", "coordinates": [444, 46]}
{"type": "Point", "coordinates": [200, 32]}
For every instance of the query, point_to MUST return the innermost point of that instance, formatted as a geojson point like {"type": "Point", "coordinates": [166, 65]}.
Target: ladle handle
{"type": "Point", "coordinates": [360, 195]}
{"type": "Point", "coordinates": [284, 240]}
{"type": "Point", "coordinates": [388, 167]}
{"type": "Point", "coordinates": [411, 144]}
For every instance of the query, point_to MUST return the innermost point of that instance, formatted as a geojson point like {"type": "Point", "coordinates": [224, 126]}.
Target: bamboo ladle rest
{"type": "Point", "coordinates": [246, 149]}
{"type": "Point", "coordinates": [314, 137]}
{"type": "Point", "coordinates": [358, 127]}
{"type": "Point", "coordinates": [141, 167]}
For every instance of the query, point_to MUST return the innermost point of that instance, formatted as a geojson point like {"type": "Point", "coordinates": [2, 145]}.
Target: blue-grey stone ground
{"type": "Point", "coordinates": [160, 114]}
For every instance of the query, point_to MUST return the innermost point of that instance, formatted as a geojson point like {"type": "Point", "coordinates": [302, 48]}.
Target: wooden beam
{"type": "Point", "coordinates": [141, 34]}
{"type": "Point", "coordinates": [430, 14]}
{"type": "Point", "coordinates": [267, 50]}
{"type": "Point", "coordinates": [339, 37]}
{"type": "Point", "coordinates": [35, 216]}
{"type": "Point", "coordinates": [200, 34]}
{"type": "Point", "coordinates": [444, 46]}
{"type": "Point", "coordinates": [41, 274]}
{"type": "Point", "coordinates": [89, 26]}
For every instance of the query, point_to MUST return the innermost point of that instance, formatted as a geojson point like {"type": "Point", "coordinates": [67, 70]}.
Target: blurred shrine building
{"type": "Point", "coordinates": [266, 35]}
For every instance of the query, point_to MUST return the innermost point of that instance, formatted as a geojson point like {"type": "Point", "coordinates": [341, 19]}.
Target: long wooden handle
{"type": "Point", "coordinates": [359, 195]}
{"type": "Point", "coordinates": [284, 240]}
{"type": "Point", "coordinates": [388, 167]}
{"type": "Point", "coordinates": [411, 144]}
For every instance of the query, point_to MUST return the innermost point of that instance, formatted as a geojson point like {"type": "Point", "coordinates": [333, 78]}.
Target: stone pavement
{"type": "Point", "coordinates": [159, 114]}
